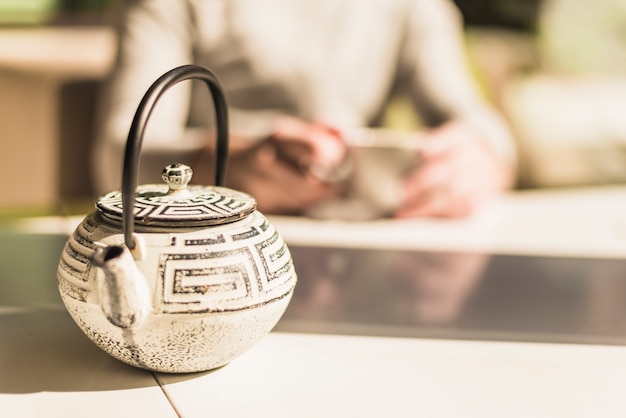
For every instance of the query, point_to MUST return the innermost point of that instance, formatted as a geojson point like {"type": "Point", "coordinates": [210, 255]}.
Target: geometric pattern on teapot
{"type": "Point", "coordinates": [205, 202]}
{"type": "Point", "coordinates": [230, 279]}
{"type": "Point", "coordinates": [75, 266]}
{"type": "Point", "coordinates": [223, 268]}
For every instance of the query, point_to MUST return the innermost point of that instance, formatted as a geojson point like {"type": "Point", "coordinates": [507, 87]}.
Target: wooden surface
{"type": "Point", "coordinates": [47, 78]}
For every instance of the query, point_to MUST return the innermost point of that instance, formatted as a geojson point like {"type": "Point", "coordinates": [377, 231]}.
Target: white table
{"type": "Point", "coordinates": [48, 368]}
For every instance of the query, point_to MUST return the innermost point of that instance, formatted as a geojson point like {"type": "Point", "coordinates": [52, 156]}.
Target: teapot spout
{"type": "Point", "coordinates": [123, 291]}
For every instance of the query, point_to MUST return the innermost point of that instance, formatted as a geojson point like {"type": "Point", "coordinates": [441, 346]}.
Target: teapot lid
{"type": "Point", "coordinates": [177, 204]}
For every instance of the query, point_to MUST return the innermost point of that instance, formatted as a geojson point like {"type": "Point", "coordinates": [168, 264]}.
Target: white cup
{"type": "Point", "coordinates": [378, 160]}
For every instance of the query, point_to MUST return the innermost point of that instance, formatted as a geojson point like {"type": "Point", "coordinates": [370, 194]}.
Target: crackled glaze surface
{"type": "Point", "coordinates": [215, 292]}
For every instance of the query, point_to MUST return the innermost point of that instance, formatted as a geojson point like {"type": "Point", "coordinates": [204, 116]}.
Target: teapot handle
{"type": "Point", "coordinates": [138, 126]}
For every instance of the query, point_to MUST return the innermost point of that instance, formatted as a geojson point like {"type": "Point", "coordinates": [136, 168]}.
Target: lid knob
{"type": "Point", "coordinates": [177, 176]}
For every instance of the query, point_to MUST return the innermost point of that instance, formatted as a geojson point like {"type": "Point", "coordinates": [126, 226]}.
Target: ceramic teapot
{"type": "Point", "coordinates": [176, 277]}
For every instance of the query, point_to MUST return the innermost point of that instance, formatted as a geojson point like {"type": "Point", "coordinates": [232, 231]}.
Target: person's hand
{"type": "Point", "coordinates": [280, 172]}
{"type": "Point", "coordinates": [456, 174]}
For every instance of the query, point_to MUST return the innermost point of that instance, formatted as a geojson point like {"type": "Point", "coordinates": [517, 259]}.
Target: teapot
{"type": "Point", "coordinates": [176, 277]}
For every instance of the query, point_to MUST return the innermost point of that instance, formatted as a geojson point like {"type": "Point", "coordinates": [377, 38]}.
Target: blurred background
{"type": "Point", "coordinates": [555, 68]}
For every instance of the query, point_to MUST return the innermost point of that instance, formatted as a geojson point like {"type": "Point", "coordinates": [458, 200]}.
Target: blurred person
{"type": "Point", "coordinates": [296, 74]}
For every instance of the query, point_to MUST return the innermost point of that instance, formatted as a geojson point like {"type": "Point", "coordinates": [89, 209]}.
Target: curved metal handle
{"type": "Point", "coordinates": [138, 126]}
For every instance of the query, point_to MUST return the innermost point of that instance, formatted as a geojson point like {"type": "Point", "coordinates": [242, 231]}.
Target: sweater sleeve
{"type": "Point", "coordinates": [435, 69]}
